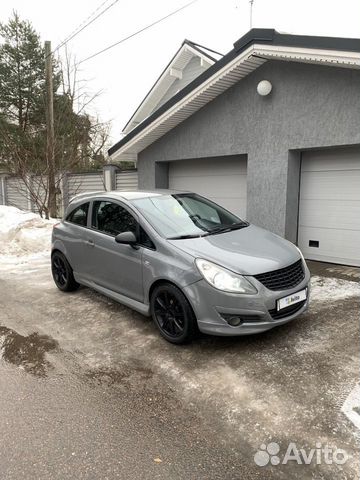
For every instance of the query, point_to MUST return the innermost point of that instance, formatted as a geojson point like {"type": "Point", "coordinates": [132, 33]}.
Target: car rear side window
{"type": "Point", "coordinates": [79, 215]}
{"type": "Point", "coordinates": [112, 218]}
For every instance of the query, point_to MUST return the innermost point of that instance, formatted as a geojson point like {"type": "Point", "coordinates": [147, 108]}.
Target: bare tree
{"type": "Point", "coordinates": [80, 139]}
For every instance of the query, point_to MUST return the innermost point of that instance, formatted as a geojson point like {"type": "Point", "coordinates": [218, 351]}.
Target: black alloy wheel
{"type": "Point", "coordinates": [62, 273]}
{"type": "Point", "coordinates": [173, 314]}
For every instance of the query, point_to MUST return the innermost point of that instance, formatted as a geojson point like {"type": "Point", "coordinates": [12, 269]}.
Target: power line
{"type": "Point", "coordinates": [81, 24]}
{"type": "Point", "coordinates": [138, 31]}
{"type": "Point", "coordinates": [82, 27]}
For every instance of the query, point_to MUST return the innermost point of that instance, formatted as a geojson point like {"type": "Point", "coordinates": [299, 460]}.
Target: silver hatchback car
{"type": "Point", "coordinates": [181, 258]}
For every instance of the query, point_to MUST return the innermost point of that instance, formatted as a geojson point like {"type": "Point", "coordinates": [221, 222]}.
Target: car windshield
{"type": "Point", "coordinates": [186, 215]}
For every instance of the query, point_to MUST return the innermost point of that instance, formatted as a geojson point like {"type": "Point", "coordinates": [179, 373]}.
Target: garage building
{"type": "Point", "coordinates": [288, 161]}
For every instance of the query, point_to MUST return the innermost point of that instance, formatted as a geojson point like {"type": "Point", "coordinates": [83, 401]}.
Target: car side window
{"type": "Point", "coordinates": [79, 215]}
{"type": "Point", "coordinates": [111, 218]}
{"type": "Point", "coordinates": [145, 240]}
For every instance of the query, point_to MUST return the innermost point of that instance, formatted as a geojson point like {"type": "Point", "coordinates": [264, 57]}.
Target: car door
{"type": "Point", "coordinates": [74, 238]}
{"type": "Point", "coordinates": [112, 265]}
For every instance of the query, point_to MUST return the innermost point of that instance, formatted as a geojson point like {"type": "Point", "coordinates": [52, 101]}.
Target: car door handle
{"type": "Point", "coordinates": [90, 243]}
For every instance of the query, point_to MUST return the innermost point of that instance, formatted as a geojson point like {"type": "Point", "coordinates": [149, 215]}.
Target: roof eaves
{"type": "Point", "coordinates": [196, 47]}
{"type": "Point", "coordinates": [272, 37]}
{"type": "Point", "coordinates": [185, 42]}
{"type": "Point", "coordinates": [173, 100]}
{"type": "Point", "coordinates": [255, 35]}
{"type": "Point", "coordinates": [204, 50]}
{"type": "Point", "coordinates": [258, 36]}
{"type": "Point", "coordinates": [154, 85]}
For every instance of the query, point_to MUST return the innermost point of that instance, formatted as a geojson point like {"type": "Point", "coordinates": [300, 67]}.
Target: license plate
{"type": "Point", "coordinates": [292, 299]}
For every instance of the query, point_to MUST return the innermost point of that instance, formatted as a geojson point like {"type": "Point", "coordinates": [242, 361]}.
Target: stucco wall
{"type": "Point", "coordinates": [310, 106]}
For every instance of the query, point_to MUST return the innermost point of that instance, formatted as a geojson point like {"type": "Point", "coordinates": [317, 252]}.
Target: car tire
{"type": "Point", "coordinates": [172, 314]}
{"type": "Point", "coordinates": [62, 273]}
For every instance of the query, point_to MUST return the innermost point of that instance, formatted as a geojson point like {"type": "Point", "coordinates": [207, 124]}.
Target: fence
{"type": "Point", "coordinates": [85, 182]}
{"type": "Point", "coordinates": [14, 191]}
{"type": "Point", "coordinates": [126, 181]}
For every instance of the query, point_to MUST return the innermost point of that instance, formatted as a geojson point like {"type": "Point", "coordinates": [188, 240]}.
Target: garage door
{"type": "Point", "coordinates": [222, 179]}
{"type": "Point", "coordinates": [329, 211]}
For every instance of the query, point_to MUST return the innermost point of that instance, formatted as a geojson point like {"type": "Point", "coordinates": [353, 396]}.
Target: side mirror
{"type": "Point", "coordinates": [127, 238]}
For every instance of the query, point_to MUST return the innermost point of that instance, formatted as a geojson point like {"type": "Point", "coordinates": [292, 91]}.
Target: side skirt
{"type": "Point", "coordinates": [128, 302]}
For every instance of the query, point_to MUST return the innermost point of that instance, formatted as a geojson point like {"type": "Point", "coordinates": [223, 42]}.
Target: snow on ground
{"type": "Point", "coordinates": [332, 289]}
{"type": "Point", "coordinates": [23, 233]}
{"type": "Point", "coordinates": [351, 407]}
{"type": "Point", "coordinates": [24, 248]}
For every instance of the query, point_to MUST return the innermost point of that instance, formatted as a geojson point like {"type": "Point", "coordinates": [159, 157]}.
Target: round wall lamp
{"type": "Point", "coordinates": [264, 88]}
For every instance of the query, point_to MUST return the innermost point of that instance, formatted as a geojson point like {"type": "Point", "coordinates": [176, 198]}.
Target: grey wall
{"type": "Point", "coordinates": [310, 106]}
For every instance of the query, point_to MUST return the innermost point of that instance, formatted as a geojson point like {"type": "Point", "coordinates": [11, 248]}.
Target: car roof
{"type": "Point", "coordinates": [134, 195]}
{"type": "Point", "coordinates": [124, 195]}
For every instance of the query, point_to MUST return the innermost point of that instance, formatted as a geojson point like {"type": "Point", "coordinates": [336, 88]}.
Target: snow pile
{"type": "Point", "coordinates": [23, 233]}
{"type": "Point", "coordinates": [324, 289]}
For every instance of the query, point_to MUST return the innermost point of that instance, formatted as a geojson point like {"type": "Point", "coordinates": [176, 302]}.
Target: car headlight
{"type": "Point", "coordinates": [223, 279]}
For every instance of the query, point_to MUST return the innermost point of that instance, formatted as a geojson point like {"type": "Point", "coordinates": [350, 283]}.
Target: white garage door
{"type": "Point", "coordinates": [329, 213]}
{"type": "Point", "coordinates": [222, 179]}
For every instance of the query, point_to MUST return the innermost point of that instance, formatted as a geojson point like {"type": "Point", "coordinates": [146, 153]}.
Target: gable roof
{"type": "Point", "coordinates": [169, 75]}
{"type": "Point", "coordinates": [249, 52]}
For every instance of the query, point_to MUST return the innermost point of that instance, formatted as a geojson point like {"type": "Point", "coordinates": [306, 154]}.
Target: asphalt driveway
{"type": "Point", "coordinates": [88, 389]}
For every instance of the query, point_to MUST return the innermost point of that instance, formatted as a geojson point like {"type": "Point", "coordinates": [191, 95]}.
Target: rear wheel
{"type": "Point", "coordinates": [62, 273]}
{"type": "Point", "coordinates": [173, 314]}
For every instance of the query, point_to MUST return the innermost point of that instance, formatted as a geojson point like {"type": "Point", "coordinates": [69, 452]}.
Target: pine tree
{"type": "Point", "coordinates": [23, 114]}
{"type": "Point", "coordinates": [21, 74]}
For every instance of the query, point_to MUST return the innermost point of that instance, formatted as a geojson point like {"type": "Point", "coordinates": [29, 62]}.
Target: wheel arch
{"type": "Point", "coordinates": [162, 281]}
{"type": "Point", "coordinates": [58, 245]}
{"type": "Point", "coordinates": [57, 248]}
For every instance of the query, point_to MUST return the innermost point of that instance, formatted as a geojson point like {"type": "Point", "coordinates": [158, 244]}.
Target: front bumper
{"type": "Point", "coordinates": [258, 312]}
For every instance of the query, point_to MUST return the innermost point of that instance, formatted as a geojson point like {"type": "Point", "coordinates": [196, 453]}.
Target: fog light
{"type": "Point", "coordinates": [234, 321]}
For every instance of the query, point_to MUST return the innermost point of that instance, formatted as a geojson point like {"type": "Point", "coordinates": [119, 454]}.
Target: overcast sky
{"type": "Point", "coordinates": [126, 72]}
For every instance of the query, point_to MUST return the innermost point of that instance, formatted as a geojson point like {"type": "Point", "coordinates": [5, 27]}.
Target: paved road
{"type": "Point", "coordinates": [89, 390]}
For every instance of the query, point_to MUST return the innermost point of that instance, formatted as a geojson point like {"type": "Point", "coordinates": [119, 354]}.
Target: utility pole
{"type": "Point", "coordinates": [251, 13]}
{"type": "Point", "coordinates": [50, 136]}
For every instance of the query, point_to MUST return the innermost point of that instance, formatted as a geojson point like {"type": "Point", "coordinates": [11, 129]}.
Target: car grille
{"type": "Point", "coordinates": [286, 312]}
{"type": "Point", "coordinates": [284, 278]}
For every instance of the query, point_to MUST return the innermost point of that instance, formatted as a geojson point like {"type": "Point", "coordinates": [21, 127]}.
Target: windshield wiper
{"type": "Point", "coordinates": [228, 228]}
{"type": "Point", "coordinates": [181, 237]}
{"type": "Point", "coordinates": [213, 231]}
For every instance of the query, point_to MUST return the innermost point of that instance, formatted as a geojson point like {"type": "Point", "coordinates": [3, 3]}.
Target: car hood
{"type": "Point", "coordinates": [248, 251]}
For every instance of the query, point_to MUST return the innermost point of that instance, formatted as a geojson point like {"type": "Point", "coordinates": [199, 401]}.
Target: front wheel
{"type": "Point", "coordinates": [173, 314]}
{"type": "Point", "coordinates": [62, 273]}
